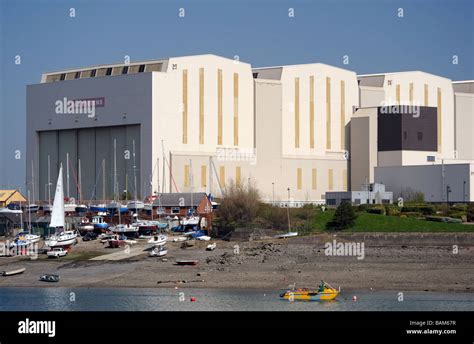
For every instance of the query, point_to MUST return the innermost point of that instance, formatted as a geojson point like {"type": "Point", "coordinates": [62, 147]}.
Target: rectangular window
{"type": "Point", "coordinates": [299, 178]}
{"type": "Point", "coordinates": [430, 158]}
{"type": "Point", "coordinates": [186, 176]}
{"type": "Point", "coordinates": [77, 75]}
{"type": "Point", "coordinates": [236, 109]}
{"type": "Point", "coordinates": [62, 77]}
{"type": "Point", "coordinates": [330, 179]}
{"type": "Point", "coordinates": [343, 114]}
{"type": "Point", "coordinates": [219, 106]}
{"type": "Point", "coordinates": [141, 69]}
{"type": "Point", "coordinates": [357, 201]}
{"type": "Point", "coordinates": [93, 73]}
{"type": "Point", "coordinates": [201, 106]}
{"type": "Point", "coordinates": [426, 95]}
{"type": "Point", "coordinates": [297, 112]}
{"type": "Point", "coordinates": [222, 175]}
{"type": "Point", "coordinates": [419, 136]}
{"type": "Point", "coordinates": [175, 210]}
{"type": "Point", "coordinates": [397, 95]}
{"type": "Point", "coordinates": [311, 111]}
{"type": "Point", "coordinates": [411, 94]}
{"type": "Point", "coordinates": [203, 176]}
{"type": "Point", "coordinates": [314, 179]}
{"type": "Point", "coordinates": [125, 70]}
{"type": "Point", "coordinates": [185, 106]}
{"type": "Point", "coordinates": [109, 71]}
{"type": "Point", "coordinates": [328, 113]}
{"type": "Point", "coordinates": [440, 120]}
{"type": "Point", "coordinates": [238, 176]}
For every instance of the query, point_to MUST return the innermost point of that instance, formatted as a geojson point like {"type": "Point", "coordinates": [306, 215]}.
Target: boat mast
{"type": "Point", "coordinates": [29, 211]}
{"type": "Point", "coordinates": [80, 182]}
{"type": "Point", "coordinates": [288, 211]}
{"type": "Point", "coordinates": [191, 183]}
{"type": "Point", "coordinates": [49, 179]}
{"type": "Point", "coordinates": [33, 180]}
{"type": "Point", "coordinates": [103, 180]}
{"type": "Point", "coordinates": [115, 182]}
{"type": "Point", "coordinates": [67, 175]}
{"type": "Point", "coordinates": [164, 159]}
{"type": "Point", "coordinates": [134, 171]}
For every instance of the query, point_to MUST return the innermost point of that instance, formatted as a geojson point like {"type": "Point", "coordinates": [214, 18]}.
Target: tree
{"type": "Point", "coordinates": [239, 205]}
{"type": "Point", "coordinates": [344, 217]}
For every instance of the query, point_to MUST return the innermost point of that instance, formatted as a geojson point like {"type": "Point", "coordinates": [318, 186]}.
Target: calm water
{"type": "Point", "coordinates": [136, 299]}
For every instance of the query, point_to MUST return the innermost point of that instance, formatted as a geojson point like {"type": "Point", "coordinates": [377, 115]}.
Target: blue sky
{"type": "Point", "coordinates": [259, 32]}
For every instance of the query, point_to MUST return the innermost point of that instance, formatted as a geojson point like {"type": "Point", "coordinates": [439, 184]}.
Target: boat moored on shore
{"type": "Point", "coordinates": [324, 293]}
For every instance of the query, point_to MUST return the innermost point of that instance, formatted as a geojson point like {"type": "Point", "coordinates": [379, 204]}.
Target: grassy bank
{"type": "Point", "coordinates": [384, 223]}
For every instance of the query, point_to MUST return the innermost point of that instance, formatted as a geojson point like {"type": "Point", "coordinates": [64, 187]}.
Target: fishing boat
{"type": "Point", "coordinates": [49, 278]}
{"type": "Point", "coordinates": [324, 293]}
{"type": "Point", "coordinates": [25, 238]}
{"type": "Point", "coordinates": [12, 272]}
{"type": "Point", "coordinates": [115, 207]}
{"type": "Point", "coordinates": [81, 209]}
{"type": "Point", "coordinates": [158, 240]}
{"type": "Point", "coordinates": [117, 241]}
{"type": "Point", "coordinates": [8, 210]}
{"type": "Point", "coordinates": [31, 208]}
{"type": "Point", "coordinates": [135, 205]}
{"type": "Point", "coordinates": [99, 223]}
{"type": "Point", "coordinates": [159, 251]}
{"type": "Point", "coordinates": [211, 247]}
{"type": "Point", "coordinates": [187, 262]}
{"type": "Point", "coordinates": [190, 221]}
{"type": "Point", "coordinates": [98, 208]}
{"type": "Point", "coordinates": [61, 237]}
{"type": "Point", "coordinates": [128, 230]}
{"type": "Point", "coordinates": [85, 226]}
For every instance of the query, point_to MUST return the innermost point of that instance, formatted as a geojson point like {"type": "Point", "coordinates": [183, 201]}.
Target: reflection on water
{"type": "Point", "coordinates": [137, 299]}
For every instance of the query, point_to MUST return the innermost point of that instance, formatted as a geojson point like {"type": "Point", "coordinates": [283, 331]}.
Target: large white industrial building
{"type": "Point", "coordinates": [198, 122]}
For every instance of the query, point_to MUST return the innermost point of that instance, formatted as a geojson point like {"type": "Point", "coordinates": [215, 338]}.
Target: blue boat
{"type": "Point", "coordinates": [99, 223]}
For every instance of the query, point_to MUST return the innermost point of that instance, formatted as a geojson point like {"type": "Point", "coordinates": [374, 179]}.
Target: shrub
{"type": "Point", "coordinates": [239, 206]}
{"type": "Point", "coordinates": [378, 209]}
{"type": "Point", "coordinates": [424, 209]}
{"type": "Point", "coordinates": [392, 210]}
{"type": "Point", "coordinates": [470, 213]}
{"type": "Point", "coordinates": [412, 196]}
{"type": "Point", "coordinates": [275, 217]}
{"type": "Point", "coordinates": [344, 217]}
{"type": "Point", "coordinates": [363, 207]}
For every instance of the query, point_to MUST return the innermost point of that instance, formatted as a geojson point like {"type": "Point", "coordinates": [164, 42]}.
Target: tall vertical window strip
{"type": "Point", "coordinates": [330, 179]}
{"type": "Point", "coordinates": [219, 106]}
{"type": "Point", "coordinates": [411, 94]}
{"type": "Point", "coordinates": [397, 95]}
{"type": "Point", "coordinates": [203, 176]}
{"type": "Point", "coordinates": [328, 113]}
{"type": "Point", "coordinates": [222, 175]}
{"type": "Point", "coordinates": [344, 180]}
{"type": "Point", "coordinates": [185, 106]}
{"type": "Point", "coordinates": [238, 176]}
{"type": "Point", "coordinates": [343, 114]}
{"type": "Point", "coordinates": [311, 111]}
{"type": "Point", "coordinates": [299, 178]}
{"type": "Point", "coordinates": [314, 179]}
{"type": "Point", "coordinates": [186, 176]}
{"type": "Point", "coordinates": [440, 120]}
{"type": "Point", "coordinates": [201, 106]}
{"type": "Point", "coordinates": [236, 109]}
{"type": "Point", "coordinates": [426, 95]}
{"type": "Point", "coordinates": [297, 112]}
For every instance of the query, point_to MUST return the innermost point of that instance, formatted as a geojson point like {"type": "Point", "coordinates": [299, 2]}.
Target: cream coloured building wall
{"type": "Point", "coordinates": [201, 104]}
{"type": "Point", "coordinates": [464, 120]}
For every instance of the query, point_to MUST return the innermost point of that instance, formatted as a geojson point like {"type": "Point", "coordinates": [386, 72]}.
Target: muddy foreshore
{"type": "Point", "coordinates": [408, 262]}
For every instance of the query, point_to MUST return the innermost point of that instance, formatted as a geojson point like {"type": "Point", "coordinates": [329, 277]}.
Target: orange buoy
{"type": "Point", "coordinates": [193, 299]}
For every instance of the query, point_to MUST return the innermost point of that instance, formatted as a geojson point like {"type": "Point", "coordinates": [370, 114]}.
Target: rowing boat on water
{"type": "Point", "coordinates": [13, 272]}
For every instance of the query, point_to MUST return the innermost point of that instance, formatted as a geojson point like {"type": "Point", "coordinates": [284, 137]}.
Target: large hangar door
{"type": "Point", "coordinates": [95, 148]}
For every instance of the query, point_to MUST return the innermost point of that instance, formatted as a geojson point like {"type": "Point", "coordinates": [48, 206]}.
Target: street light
{"type": "Point", "coordinates": [448, 191]}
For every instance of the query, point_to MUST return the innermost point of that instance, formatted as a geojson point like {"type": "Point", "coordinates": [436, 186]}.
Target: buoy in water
{"type": "Point", "coordinates": [354, 298]}
{"type": "Point", "coordinates": [193, 299]}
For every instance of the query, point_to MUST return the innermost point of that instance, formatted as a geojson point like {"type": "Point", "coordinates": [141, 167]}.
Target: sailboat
{"type": "Point", "coordinates": [61, 237]}
{"type": "Point", "coordinates": [290, 233]}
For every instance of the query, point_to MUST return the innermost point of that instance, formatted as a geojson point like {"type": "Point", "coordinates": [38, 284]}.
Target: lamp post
{"type": "Point", "coordinates": [273, 194]}
{"type": "Point", "coordinates": [288, 211]}
{"type": "Point", "coordinates": [464, 191]}
{"type": "Point", "coordinates": [448, 191]}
